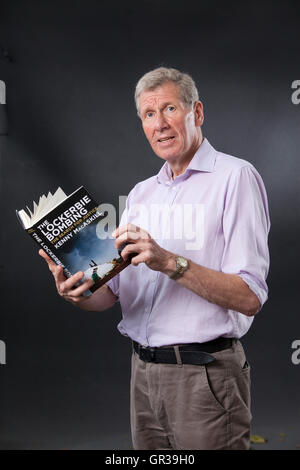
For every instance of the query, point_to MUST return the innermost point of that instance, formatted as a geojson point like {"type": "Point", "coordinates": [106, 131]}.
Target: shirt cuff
{"type": "Point", "coordinates": [253, 285]}
{"type": "Point", "coordinates": [113, 284]}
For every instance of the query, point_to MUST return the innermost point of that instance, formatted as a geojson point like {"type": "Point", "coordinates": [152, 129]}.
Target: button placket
{"type": "Point", "coordinates": [171, 196]}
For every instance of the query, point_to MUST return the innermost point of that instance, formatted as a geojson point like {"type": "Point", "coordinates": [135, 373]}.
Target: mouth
{"type": "Point", "coordinates": [165, 139]}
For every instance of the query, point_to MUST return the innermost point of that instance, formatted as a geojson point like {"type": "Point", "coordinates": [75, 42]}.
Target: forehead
{"type": "Point", "coordinates": [167, 93]}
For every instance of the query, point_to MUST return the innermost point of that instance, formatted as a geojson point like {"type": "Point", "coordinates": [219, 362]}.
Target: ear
{"type": "Point", "coordinates": [198, 113]}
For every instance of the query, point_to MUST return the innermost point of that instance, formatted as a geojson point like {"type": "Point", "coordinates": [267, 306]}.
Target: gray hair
{"type": "Point", "coordinates": [161, 75]}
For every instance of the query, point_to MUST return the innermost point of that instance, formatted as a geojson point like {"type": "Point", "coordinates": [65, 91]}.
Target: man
{"type": "Point", "coordinates": [197, 234]}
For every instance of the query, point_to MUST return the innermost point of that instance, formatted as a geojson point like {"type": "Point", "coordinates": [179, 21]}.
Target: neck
{"type": "Point", "coordinates": [178, 168]}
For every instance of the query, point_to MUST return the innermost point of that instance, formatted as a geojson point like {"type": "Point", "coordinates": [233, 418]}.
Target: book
{"type": "Point", "coordinates": [75, 234]}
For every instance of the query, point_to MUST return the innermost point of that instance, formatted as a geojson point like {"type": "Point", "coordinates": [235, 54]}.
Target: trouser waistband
{"type": "Point", "coordinates": [191, 353]}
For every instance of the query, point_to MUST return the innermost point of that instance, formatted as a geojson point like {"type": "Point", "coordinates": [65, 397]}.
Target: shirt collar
{"type": "Point", "coordinates": [203, 160]}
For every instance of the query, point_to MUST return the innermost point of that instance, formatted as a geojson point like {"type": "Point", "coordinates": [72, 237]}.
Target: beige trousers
{"type": "Point", "coordinates": [188, 406]}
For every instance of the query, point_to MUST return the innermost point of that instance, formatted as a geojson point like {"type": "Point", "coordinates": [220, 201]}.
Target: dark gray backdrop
{"type": "Point", "coordinates": [70, 69]}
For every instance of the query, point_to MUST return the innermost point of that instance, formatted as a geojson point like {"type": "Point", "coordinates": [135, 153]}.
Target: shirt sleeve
{"type": "Point", "coordinates": [246, 225]}
{"type": "Point", "coordinates": [114, 283]}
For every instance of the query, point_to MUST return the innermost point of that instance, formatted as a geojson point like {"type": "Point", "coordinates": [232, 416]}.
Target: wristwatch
{"type": "Point", "coordinates": [182, 265]}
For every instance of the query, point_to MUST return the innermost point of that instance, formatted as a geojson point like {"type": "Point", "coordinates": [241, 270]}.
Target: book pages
{"type": "Point", "coordinates": [45, 205]}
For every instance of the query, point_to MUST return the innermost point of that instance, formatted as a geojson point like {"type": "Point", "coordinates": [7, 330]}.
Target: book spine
{"type": "Point", "coordinates": [54, 258]}
{"type": "Point", "coordinates": [47, 250]}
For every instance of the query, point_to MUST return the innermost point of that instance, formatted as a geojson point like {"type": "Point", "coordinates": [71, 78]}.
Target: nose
{"type": "Point", "coordinates": [160, 122]}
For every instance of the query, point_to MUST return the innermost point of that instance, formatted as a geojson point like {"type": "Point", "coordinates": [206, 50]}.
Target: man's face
{"type": "Point", "coordinates": [172, 129]}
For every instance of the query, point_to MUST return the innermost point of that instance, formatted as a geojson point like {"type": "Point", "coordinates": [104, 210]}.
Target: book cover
{"type": "Point", "coordinates": [75, 234]}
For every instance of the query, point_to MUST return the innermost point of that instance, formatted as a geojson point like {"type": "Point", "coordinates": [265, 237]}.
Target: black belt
{"type": "Point", "coordinates": [192, 353]}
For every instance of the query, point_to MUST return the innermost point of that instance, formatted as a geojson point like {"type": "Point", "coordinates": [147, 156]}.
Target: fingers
{"type": "Point", "coordinates": [69, 283]}
{"type": "Point", "coordinates": [65, 286]}
{"type": "Point", "coordinates": [138, 259]}
{"type": "Point", "coordinates": [55, 269]}
{"type": "Point", "coordinates": [73, 294]}
{"type": "Point", "coordinates": [46, 257]}
{"type": "Point", "coordinates": [126, 228]}
{"type": "Point", "coordinates": [78, 291]}
{"type": "Point", "coordinates": [49, 261]}
{"type": "Point", "coordinates": [130, 233]}
{"type": "Point", "coordinates": [130, 249]}
{"type": "Point", "coordinates": [140, 242]}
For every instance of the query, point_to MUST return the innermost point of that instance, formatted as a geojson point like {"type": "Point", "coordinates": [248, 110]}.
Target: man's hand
{"type": "Point", "coordinates": [227, 290]}
{"type": "Point", "coordinates": [141, 243]}
{"type": "Point", "coordinates": [64, 286]}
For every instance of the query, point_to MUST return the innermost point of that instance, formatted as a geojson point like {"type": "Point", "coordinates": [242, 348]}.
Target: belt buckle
{"type": "Point", "coordinates": [147, 354]}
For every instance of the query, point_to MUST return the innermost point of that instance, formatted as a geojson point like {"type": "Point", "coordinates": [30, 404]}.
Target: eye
{"type": "Point", "coordinates": [149, 114]}
{"type": "Point", "coordinates": [171, 108]}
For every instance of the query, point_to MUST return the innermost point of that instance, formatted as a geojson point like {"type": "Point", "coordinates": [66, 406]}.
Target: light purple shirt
{"type": "Point", "coordinates": [216, 214]}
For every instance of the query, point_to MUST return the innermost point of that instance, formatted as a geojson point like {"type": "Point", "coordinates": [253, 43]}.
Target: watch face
{"type": "Point", "coordinates": [182, 261]}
